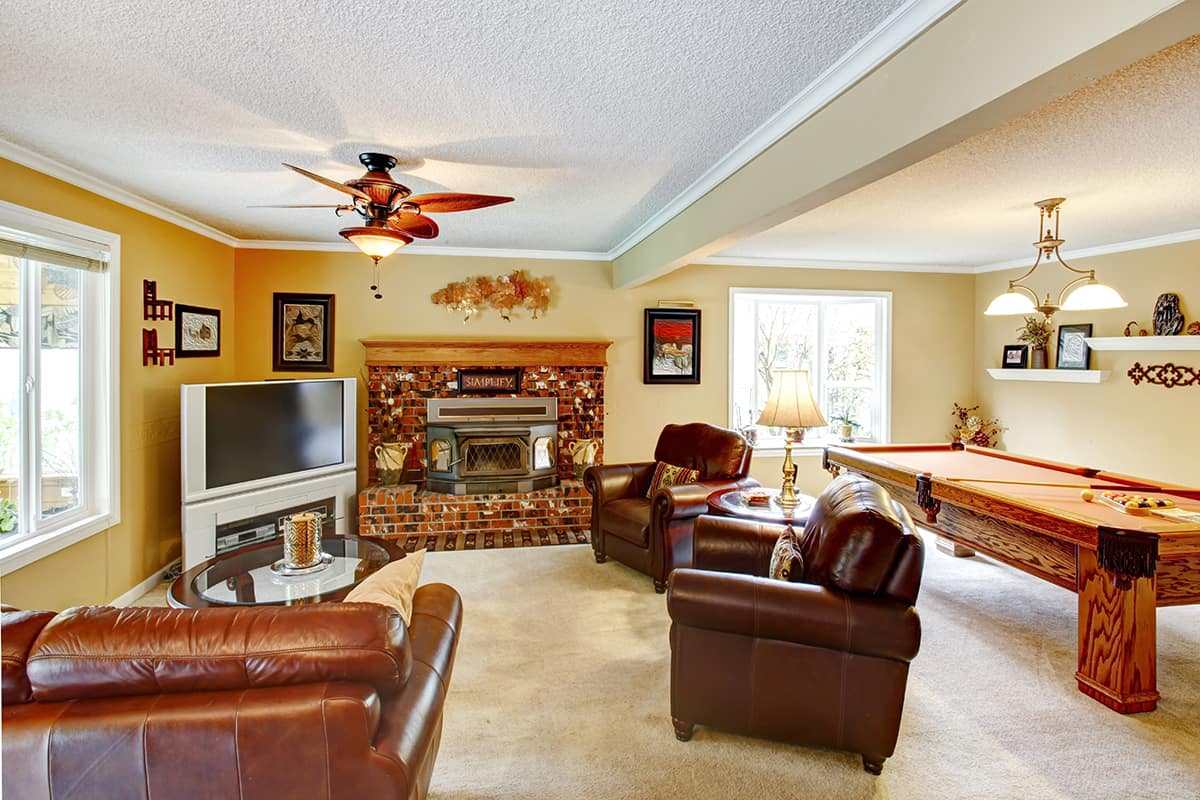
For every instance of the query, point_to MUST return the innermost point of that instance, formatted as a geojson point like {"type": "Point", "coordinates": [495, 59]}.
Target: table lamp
{"type": "Point", "coordinates": [791, 406]}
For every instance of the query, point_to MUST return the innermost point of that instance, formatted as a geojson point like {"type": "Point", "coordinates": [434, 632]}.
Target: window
{"type": "Point", "coordinates": [841, 338]}
{"type": "Point", "coordinates": [58, 379]}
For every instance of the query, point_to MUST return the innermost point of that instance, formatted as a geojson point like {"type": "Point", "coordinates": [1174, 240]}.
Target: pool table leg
{"type": "Point", "coordinates": [1117, 648]}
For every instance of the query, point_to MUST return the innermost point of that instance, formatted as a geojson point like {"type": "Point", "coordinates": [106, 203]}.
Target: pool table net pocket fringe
{"type": "Point", "coordinates": [1126, 554]}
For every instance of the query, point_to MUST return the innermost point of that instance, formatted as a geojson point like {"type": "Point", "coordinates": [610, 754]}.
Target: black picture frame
{"type": "Point", "coordinates": [489, 381]}
{"type": "Point", "coordinates": [1016, 356]}
{"type": "Point", "coordinates": [671, 346]}
{"type": "Point", "coordinates": [1072, 351]}
{"type": "Point", "coordinates": [197, 331]}
{"type": "Point", "coordinates": [302, 332]}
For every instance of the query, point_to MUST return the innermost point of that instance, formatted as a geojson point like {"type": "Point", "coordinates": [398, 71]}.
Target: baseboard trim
{"type": "Point", "coordinates": [137, 591]}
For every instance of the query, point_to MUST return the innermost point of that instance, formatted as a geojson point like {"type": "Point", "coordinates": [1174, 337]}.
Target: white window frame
{"type": "Point", "coordinates": [883, 354]}
{"type": "Point", "coordinates": [100, 392]}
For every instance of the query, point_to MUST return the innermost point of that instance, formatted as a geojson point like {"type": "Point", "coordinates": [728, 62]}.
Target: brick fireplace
{"type": "Point", "coordinates": [403, 376]}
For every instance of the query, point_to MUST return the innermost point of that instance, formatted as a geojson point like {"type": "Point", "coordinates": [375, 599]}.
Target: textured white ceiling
{"type": "Point", "coordinates": [594, 114]}
{"type": "Point", "coordinates": [1124, 151]}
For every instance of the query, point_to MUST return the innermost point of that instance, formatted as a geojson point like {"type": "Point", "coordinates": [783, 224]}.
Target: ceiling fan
{"type": "Point", "coordinates": [392, 215]}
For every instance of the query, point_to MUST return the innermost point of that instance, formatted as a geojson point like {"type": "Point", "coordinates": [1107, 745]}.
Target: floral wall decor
{"type": "Point", "coordinates": [504, 293]}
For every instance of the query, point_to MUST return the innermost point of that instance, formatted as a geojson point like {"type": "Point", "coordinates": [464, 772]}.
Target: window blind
{"type": "Point", "coordinates": [95, 261]}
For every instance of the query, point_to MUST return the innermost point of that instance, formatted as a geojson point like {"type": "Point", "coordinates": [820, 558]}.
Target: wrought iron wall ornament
{"type": "Point", "coordinates": [1168, 375]}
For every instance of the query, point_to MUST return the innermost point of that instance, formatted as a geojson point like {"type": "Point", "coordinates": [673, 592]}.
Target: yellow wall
{"type": "Point", "coordinates": [1143, 430]}
{"type": "Point", "coordinates": [932, 331]}
{"type": "Point", "coordinates": [189, 268]}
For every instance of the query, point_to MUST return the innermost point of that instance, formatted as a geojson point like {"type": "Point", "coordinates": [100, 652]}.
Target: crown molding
{"type": "Point", "coordinates": [1100, 250]}
{"type": "Point", "coordinates": [817, 263]}
{"type": "Point", "coordinates": [901, 27]}
{"type": "Point", "coordinates": [56, 169]}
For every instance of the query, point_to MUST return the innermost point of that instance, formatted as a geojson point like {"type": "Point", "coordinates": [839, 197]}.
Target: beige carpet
{"type": "Point", "coordinates": [561, 691]}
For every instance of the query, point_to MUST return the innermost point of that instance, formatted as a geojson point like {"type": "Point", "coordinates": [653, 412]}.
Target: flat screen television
{"type": "Point", "coordinates": [237, 437]}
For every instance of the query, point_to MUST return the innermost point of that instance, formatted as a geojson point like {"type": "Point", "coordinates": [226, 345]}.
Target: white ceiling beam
{"type": "Point", "coordinates": [984, 63]}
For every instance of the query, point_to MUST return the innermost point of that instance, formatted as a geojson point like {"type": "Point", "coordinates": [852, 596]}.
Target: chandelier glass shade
{"type": "Point", "coordinates": [1083, 293]}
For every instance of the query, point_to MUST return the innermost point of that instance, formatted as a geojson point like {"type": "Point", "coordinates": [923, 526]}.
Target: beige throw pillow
{"type": "Point", "coordinates": [393, 585]}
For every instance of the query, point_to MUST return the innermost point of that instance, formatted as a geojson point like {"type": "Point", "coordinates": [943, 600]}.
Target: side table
{"type": "Point", "coordinates": [730, 503]}
{"type": "Point", "coordinates": [244, 576]}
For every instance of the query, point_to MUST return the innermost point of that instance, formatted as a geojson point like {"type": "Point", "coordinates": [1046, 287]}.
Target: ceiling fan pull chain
{"type": "Point", "coordinates": [375, 282]}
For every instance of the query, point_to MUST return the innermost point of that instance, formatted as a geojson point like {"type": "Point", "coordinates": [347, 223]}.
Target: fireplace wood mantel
{"type": "Point", "coordinates": [485, 352]}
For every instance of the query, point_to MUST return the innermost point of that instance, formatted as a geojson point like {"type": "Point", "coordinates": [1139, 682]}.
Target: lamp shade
{"type": "Point", "coordinates": [376, 242]}
{"type": "Point", "coordinates": [791, 403]}
{"type": "Point", "coordinates": [1010, 304]}
{"type": "Point", "coordinates": [1093, 296]}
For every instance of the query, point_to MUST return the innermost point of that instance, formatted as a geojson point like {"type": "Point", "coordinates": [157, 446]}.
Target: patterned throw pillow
{"type": "Point", "coordinates": [670, 475]}
{"type": "Point", "coordinates": [786, 562]}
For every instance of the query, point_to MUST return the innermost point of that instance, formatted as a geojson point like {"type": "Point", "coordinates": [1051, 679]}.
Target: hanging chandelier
{"type": "Point", "coordinates": [1084, 293]}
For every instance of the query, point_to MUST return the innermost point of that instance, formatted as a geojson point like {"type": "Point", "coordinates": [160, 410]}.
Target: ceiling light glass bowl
{"type": "Point", "coordinates": [375, 242]}
{"type": "Point", "coordinates": [1010, 304]}
{"type": "Point", "coordinates": [1093, 296]}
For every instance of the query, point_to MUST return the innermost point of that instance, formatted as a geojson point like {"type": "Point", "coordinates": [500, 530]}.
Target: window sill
{"type": "Point", "coordinates": [804, 450]}
{"type": "Point", "coordinates": [25, 551]}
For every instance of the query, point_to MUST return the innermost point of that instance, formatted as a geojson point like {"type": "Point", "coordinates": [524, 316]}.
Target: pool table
{"type": "Point", "coordinates": [1121, 566]}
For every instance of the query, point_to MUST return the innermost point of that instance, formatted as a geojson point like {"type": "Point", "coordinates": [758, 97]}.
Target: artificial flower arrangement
{"type": "Point", "coordinates": [1035, 332]}
{"type": "Point", "coordinates": [503, 293]}
{"type": "Point", "coordinates": [972, 428]}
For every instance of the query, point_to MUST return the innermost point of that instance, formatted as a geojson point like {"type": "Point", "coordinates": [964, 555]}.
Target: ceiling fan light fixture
{"type": "Point", "coordinates": [375, 242]}
{"type": "Point", "coordinates": [1093, 296]}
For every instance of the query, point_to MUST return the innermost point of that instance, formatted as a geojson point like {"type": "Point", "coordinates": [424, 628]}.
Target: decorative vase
{"type": "Point", "coordinates": [301, 543]}
{"type": "Point", "coordinates": [1037, 358]}
{"type": "Point", "coordinates": [583, 454]}
{"type": "Point", "coordinates": [846, 433]}
{"type": "Point", "coordinates": [389, 461]}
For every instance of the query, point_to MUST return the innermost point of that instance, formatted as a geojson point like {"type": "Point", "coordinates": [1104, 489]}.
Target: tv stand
{"type": "Point", "coordinates": [222, 524]}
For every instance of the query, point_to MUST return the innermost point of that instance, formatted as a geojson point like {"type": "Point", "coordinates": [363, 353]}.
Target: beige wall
{"type": "Point", "coordinates": [932, 332]}
{"type": "Point", "coordinates": [189, 268]}
{"type": "Point", "coordinates": [1143, 430]}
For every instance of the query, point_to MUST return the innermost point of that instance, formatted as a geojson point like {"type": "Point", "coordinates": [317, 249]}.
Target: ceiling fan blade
{"type": "Point", "coordinates": [330, 182]}
{"type": "Point", "coordinates": [300, 206]}
{"type": "Point", "coordinates": [417, 225]}
{"type": "Point", "coordinates": [444, 202]}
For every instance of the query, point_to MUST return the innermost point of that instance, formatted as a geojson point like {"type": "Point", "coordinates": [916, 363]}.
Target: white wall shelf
{"type": "Point", "coordinates": [1144, 343]}
{"type": "Point", "coordinates": [1051, 375]}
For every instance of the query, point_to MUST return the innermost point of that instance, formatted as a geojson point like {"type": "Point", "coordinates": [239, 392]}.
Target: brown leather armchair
{"type": "Point", "coordinates": [337, 700]}
{"type": "Point", "coordinates": [821, 662]}
{"type": "Point", "coordinates": [654, 535]}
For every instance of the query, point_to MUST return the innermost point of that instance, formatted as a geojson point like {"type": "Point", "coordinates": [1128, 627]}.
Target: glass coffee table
{"type": "Point", "coordinates": [244, 577]}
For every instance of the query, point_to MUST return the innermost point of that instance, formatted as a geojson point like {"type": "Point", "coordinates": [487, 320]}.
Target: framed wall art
{"type": "Point", "coordinates": [197, 331]}
{"type": "Point", "coordinates": [302, 333]}
{"type": "Point", "coordinates": [672, 346]}
{"type": "Point", "coordinates": [1073, 351]}
{"type": "Point", "coordinates": [1016, 356]}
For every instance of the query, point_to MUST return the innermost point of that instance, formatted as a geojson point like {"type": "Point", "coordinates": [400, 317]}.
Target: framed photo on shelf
{"type": "Point", "coordinates": [1016, 356]}
{"type": "Point", "coordinates": [302, 333]}
{"type": "Point", "coordinates": [197, 331]}
{"type": "Point", "coordinates": [672, 346]}
{"type": "Point", "coordinates": [1073, 351]}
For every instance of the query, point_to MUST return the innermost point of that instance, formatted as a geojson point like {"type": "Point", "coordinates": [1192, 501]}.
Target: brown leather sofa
{"type": "Point", "coordinates": [337, 700]}
{"type": "Point", "coordinates": [823, 661]}
{"type": "Point", "coordinates": [654, 535]}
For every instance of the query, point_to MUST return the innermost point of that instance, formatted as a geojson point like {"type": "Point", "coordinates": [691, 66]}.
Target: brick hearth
{"type": "Point", "coordinates": [450, 522]}
{"type": "Point", "coordinates": [403, 374]}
